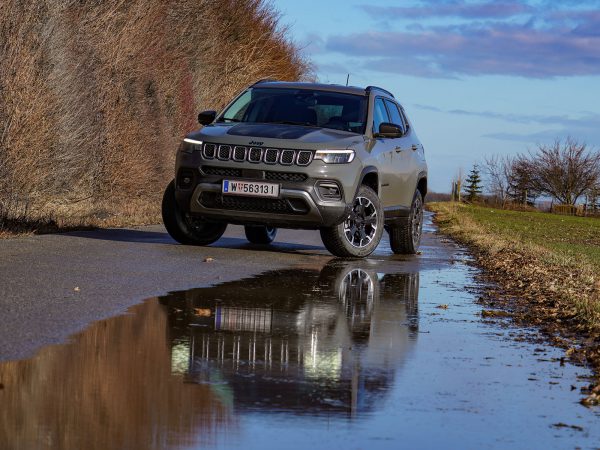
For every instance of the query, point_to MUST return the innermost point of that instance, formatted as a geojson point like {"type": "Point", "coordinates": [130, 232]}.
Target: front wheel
{"type": "Point", "coordinates": [186, 229]}
{"type": "Point", "coordinates": [405, 236]}
{"type": "Point", "coordinates": [360, 233]}
{"type": "Point", "coordinates": [260, 234]}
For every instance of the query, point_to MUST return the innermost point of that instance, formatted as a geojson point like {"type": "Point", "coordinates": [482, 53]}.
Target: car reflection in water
{"type": "Point", "coordinates": [300, 341]}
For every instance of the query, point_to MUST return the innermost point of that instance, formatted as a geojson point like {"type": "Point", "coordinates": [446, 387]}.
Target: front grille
{"type": "Point", "coordinates": [285, 176]}
{"type": "Point", "coordinates": [222, 171]}
{"type": "Point", "coordinates": [285, 157]}
{"type": "Point", "coordinates": [270, 175]}
{"type": "Point", "coordinates": [214, 200]}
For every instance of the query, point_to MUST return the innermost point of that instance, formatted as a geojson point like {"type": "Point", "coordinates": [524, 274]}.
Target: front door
{"type": "Point", "coordinates": [384, 148]}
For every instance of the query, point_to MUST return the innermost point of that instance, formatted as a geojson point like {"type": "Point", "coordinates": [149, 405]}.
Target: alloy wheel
{"type": "Point", "coordinates": [417, 221]}
{"type": "Point", "coordinates": [361, 225]}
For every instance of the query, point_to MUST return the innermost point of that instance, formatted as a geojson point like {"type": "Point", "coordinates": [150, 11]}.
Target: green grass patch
{"type": "Point", "coordinates": [574, 237]}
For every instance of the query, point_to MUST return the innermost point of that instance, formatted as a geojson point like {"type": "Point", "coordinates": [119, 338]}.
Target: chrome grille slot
{"type": "Point", "coordinates": [304, 158]}
{"type": "Point", "coordinates": [224, 152]}
{"type": "Point", "coordinates": [255, 155]}
{"type": "Point", "coordinates": [239, 154]}
{"type": "Point", "coordinates": [209, 151]}
{"type": "Point", "coordinates": [287, 157]}
{"type": "Point", "coordinates": [271, 155]}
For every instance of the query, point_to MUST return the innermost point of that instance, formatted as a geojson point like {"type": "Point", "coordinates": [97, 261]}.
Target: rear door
{"type": "Point", "coordinates": [403, 179]}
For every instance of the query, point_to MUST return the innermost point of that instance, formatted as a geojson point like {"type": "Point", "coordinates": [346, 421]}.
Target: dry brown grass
{"type": "Point", "coordinates": [553, 290]}
{"type": "Point", "coordinates": [96, 95]}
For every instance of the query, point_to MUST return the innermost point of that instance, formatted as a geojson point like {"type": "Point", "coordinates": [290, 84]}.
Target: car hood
{"type": "Point", "coordinates": [264, 135]}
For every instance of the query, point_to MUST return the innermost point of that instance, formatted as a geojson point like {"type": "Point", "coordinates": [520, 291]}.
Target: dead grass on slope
{"type": "Point", "coordinates": [95, 96]}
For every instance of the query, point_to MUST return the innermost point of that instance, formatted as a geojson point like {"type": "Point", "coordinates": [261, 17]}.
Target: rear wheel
{"type": "Point", "coordinates": [260, 234]}
{"type": "Point", "coordinates": [360, 233]}
{"type": "Point", "coordinates": [184, 228]}
{"type": "Point", "coordinates": [405, 236]}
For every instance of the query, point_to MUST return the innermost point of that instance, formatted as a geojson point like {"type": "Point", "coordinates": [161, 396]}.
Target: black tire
{"type": "Point", "coordinates": [260, 234]}
{"type": "Point", "coordinates": [184, 229]}
{"type": "Point", "coordinates": [405, 236]}
{"type": "Point", "coordinates": [364, 223]}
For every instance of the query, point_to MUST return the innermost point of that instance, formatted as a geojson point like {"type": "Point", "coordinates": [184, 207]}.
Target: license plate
{"type": "Point", "coordinates": [250, 188]}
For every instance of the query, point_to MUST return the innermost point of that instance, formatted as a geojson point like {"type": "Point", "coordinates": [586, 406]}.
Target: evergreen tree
{"type": "Point", "coordinates": [473, 185]}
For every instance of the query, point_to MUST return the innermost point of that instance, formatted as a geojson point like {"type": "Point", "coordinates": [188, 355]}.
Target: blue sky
{"type": "Point", "coordinates": [476, 77]}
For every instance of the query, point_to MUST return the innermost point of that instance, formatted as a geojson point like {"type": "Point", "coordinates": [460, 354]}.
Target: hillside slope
{"type": "Point", "coordinates": [94, 97]}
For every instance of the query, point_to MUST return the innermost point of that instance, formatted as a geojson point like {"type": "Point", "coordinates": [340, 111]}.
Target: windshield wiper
{"type": "Point", "coordinates": [229, 120]}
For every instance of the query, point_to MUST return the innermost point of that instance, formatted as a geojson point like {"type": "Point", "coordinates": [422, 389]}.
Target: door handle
{"type": "Point", "coordinates": [398, 149]}
{"type": "Point", "coordinates": [415, 147]}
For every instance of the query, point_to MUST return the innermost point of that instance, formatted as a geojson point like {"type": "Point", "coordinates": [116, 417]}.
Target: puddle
{"type": "Point", "coordinates": [352, 354]}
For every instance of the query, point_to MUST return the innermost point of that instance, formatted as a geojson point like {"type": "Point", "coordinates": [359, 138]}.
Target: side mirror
{"type": "Point", "coordinates": [389, 130]}
{"type": "Point", "coordinates": [206, 117]}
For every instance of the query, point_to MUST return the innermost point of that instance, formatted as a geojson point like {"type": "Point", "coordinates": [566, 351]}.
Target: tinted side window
{"type": "Point", "coordinates": [406, 125]}
{"type": "Point", "coordinates": [395, 116]}
{"type": "Point", "coordinates": [380, 114]}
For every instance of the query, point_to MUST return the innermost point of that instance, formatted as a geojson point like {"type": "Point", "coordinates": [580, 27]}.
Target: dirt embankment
{"type": "Point", "coordinates": [557, 294]}
{"type": "Point", "coordinates": [96, 95]}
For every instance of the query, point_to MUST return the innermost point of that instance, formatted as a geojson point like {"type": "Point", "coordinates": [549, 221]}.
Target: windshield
{"type": "Point", "coordinates": [305, 107]}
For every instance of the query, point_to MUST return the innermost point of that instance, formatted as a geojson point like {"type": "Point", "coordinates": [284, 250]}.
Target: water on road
{"type": "Point", "coordinates": [380, 353]}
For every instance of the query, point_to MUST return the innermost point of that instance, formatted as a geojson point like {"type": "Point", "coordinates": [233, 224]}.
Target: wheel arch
{"type": "Point", "coordinates": [369, 177]}
{"type": "Point", "coordinates": [422, 184]}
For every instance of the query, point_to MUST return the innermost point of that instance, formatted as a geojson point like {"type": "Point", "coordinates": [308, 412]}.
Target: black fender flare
{"type": "Point", "coordinates": [422, 176]}
{"type": "Point", "coordinates": [366, 171]}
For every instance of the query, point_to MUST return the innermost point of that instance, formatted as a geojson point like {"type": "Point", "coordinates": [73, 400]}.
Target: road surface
{"type": "Point", "coordinates": [240, 346]}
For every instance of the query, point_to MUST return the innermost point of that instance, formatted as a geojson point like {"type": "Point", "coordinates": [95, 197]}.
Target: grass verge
{"type": "Point", "coordinates": [84, 216]}
{"type": "Point", "coordinates": [547, 268]}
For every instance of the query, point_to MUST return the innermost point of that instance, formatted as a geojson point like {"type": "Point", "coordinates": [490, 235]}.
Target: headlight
{"type": "Point", "coordinates": [190, 145]}
{"type": "Point", "coordinates": [335, 156]}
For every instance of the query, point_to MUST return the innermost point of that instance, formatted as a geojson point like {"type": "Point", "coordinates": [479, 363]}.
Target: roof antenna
{"type": "Point", "coordinates": [347, 79]}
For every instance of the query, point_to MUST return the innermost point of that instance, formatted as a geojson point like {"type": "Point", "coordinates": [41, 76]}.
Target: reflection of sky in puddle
{"type": "Point", "coordinates": [354, 354]}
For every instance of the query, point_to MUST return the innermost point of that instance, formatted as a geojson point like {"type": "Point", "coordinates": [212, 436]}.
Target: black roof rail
{"type": "Point", "coordinates": [265, 80]}
{"type": "Point", "coordinates": [370, 88]}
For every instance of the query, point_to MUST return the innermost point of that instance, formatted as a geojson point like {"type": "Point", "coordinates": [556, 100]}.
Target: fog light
{"type": "Point", "coordinates": [329, 190]}
{"type": "Point", "coordinates": [185, 180]}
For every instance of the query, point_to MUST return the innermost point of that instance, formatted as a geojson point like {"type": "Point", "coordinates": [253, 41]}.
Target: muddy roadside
{"type": "Point", "coordinates": [533, 289]}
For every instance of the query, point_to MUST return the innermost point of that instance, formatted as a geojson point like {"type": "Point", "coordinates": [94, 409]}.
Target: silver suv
{"type": "Point", "coordinates": [344, 160]}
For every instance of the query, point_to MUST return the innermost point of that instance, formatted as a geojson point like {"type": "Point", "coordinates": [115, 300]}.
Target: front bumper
{"type": "Point", "coordinates": [298, 206]}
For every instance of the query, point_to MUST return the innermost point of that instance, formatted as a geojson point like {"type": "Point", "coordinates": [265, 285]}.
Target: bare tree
{"type": "Point", "coordinates": [563, 170]}
{"type": "Point", "coordinates": [593, 198]}
{"type": "Point", "coordinates": [497, 169]}
{"type": "Point", "coordinates": [457, 186]}
{"type": "Point", "coordinates": [521, 186]}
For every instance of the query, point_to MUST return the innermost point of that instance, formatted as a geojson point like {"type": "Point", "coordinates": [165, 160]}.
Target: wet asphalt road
{"type": "Point", "coordinates": [284, 347]}
{"type": "Point", "coordinates": [53, 285]}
